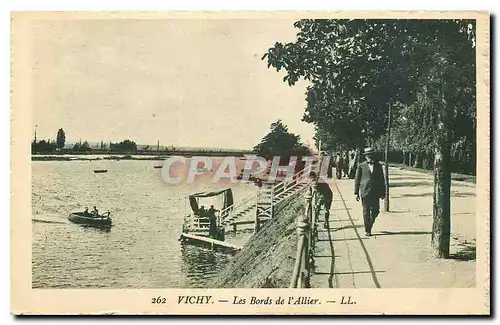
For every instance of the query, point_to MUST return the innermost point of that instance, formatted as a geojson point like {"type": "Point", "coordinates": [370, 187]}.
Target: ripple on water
{"type": "Point", "coordinates": [142, 249]}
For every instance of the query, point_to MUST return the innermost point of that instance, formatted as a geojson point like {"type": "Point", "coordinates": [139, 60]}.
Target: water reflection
{"type": "Point", "coordinates": [105, 229]}
{"type": "Point", "coordinates": [140, 250]}
{"type": "Point", "coordinates": [201, 264]}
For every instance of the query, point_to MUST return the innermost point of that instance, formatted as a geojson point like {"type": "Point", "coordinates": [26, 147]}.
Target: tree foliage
{"type": "Point", "coordinates": [357, 67]}
{"type": "Point", "coordinates": [351, 80]}
{"type": "Point", "coordinates": [43, 146]}
{"type": "Point", "coordinates": [124, 146]}
{"type": "Point", "coordinates": [280, 142]}
{"type": "Point", "coordinates": [82, 147]}
{"type": "Point", "coordinates": [60, 139]}
{"type": "Point", "coordinates": [423, 69]}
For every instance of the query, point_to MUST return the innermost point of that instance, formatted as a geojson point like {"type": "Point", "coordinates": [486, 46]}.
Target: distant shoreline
{"type": "Point", "coordinates": [82, 157]}
{"type": "Point", "coordinates": [138, 155]}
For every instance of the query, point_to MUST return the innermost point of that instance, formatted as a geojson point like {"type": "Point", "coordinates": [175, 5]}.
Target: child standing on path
{"type": "Point", "coordinates": [324, 196]}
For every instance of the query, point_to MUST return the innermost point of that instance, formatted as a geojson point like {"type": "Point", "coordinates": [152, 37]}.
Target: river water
{"type": "Point", "coordinates": [141, 250]}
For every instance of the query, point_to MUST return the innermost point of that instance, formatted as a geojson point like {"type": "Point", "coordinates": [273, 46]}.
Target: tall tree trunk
{"type": "Point", "coordinates": [359, 150]}
{"type": "Point", "coordinates": [409, 160]}
{"type": "Point", "coordinates": [387, 142]}
{"type": "Point", "coordinates": [431, 160]}
{"type": "Point", "coordinates": [442, 185]}
{"type": "Point", "coordinates": [358, 158]}
{"type": "Point", "coordinates": [416, 159]}
{"type": "Point", "coordinates": [425, 161]}
{"type": "Point", "coordinates": [346, 163]}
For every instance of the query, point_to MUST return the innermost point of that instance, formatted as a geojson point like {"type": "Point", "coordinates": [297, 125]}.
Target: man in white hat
{"type": "Point", "coordinates": [370, 185]}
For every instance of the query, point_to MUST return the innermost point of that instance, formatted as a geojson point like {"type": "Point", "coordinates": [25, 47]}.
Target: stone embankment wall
{"type": "Point", "coordinates": [268, 258]}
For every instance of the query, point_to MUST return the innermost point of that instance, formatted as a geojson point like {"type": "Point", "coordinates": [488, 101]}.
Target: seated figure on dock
{"type": "Point", "coordinates": [203, 215]}
{"type": "Point", "coordinates": [202, 212]}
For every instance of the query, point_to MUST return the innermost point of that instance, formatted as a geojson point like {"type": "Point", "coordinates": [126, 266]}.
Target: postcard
{"type": "Point", "coordinates": [249, 163]}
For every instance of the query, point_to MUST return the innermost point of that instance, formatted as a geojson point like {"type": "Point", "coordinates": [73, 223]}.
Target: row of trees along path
{"type": "Point", "coordinates": [363, 73]}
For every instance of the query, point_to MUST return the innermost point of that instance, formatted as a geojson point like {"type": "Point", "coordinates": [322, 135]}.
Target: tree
{"type": "Point", "coordinates": [85, 146]}
{"type": "Point", "coordinates": [447, 75]}
{"type": "Point", "coordinates": [81, 147]}
{"type": "Point", "coordinates": [61, 139]}
{"type": "Point", "coordinates": [280, 142]}
{"type": "Point", "coordinates": [124, 146]}
{"type": "Point", "coordinates": [43, 146]}
{"type": "Point", "coordinates": [358, 68]}
{"type": "Point", "coordinates": [352, 75]}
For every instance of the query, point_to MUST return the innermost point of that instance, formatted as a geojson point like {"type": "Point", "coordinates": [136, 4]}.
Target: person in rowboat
{"type": "Point", "coordinates": [86, 212]}
{"type": "Point", "coordinates": [95, 212]}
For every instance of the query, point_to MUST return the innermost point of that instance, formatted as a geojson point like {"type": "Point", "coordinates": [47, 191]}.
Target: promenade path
{"type": "Point", "coordinates": [398, 253]}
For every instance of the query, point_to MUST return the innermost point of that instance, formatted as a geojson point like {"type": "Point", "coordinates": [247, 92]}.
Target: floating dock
{"type": "Point", "coordinates": [213, 243]}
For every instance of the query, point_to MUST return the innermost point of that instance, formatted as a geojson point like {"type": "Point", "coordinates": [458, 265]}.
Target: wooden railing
{"type": "Point", "coordinates": [286, 186]}
{"type": "Point", "coordinates": [224, 216]}
{"type": "Point", "coordinates": [227, 213]}
{"type": "Point", "coordinates": [287, 189]}
{"type": "Point", "coordinates": [276, 198]}
{"type": "Point", "coordinates": [307, 233]}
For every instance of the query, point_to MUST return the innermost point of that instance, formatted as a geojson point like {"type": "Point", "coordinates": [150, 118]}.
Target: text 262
{"type": "Point", "coordinates": [159, 300]}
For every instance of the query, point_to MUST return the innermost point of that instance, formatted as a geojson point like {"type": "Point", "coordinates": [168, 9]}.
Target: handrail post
{"type": "Point", "coordinates": [314, 210]}
{"type": "Point", "coordinates": [272, 202]}
{"type": "Point", "coordinates": [306, 230]}
{"type": "Point", "coordinates": [257, 221]}
{"type": "Point", "coordinates": [313, 231]}
{"type": "Point", "coordinates": [256, 224]}
{"type": "Point", "coordinates": [310, 214]}
{"type": "Point", "coordinates": [304, 260]}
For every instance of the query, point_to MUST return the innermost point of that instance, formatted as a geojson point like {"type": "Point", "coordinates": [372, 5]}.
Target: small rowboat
{"type": "Point", "coordinates": [98, 221]}
{"type": "Point", "coordinates": [100, 171]}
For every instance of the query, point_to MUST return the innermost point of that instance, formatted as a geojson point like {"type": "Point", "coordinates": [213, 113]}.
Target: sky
{"type": "Point", "coordinates": [183, 82]}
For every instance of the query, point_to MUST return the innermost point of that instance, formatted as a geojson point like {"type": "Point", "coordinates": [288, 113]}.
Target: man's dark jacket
{"type": "Point", "coordinates": [369, 183]}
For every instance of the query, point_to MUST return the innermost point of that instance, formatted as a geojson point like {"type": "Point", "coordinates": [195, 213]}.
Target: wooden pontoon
{"type": "Point", "coordinates": [201, 224]}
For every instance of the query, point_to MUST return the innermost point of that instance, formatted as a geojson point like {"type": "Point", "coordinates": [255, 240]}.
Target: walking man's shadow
{"type": "Point", "coordinates": [395, 233]}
